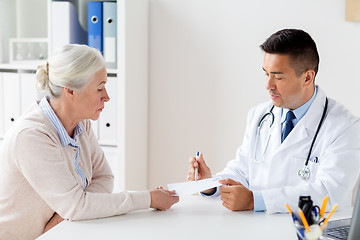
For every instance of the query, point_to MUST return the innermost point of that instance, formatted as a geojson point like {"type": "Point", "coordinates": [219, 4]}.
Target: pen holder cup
{"type": "Point", "coordinates": [314, 234]}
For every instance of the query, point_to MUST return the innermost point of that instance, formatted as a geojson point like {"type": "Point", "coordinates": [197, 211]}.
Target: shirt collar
{"type": "Point", "coordinates": [300, 111]}
{"type": "Point", "coordinates": [63, 135]}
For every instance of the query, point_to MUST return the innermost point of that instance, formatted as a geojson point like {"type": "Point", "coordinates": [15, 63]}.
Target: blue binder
{"type": "Point", "coordinates": [109, 31]}
{"type": "Point", "coordinates": [95, 25]}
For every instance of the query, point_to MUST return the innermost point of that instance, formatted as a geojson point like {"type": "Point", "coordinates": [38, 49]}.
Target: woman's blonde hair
{"type": "Point", "coordinates": [71, 66]}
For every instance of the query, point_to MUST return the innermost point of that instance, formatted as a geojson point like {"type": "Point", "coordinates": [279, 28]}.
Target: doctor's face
{"type": "Point", "coordinates": [286, 89]}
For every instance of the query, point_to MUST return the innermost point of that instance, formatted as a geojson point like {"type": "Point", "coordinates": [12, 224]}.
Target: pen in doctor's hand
{"type": "Point", "coordinates": [197, 167]}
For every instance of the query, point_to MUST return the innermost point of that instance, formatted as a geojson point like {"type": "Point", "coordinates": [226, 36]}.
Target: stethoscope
{"type": "Point", "coordinates": [303, 173]}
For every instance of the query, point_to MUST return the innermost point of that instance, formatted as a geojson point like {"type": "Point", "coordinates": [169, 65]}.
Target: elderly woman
{"type": "Point", "coordinates": [51, 164]}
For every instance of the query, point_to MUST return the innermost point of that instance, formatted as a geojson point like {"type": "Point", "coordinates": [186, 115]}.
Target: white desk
{"type": "Point", "coordinates": [193, 217]}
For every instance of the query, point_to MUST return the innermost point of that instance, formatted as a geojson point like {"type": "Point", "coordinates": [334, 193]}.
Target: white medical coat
{"type": "Point", "coordinates": [334, 161]}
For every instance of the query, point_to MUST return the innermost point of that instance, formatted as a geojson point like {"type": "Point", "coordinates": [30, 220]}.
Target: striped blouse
{"type": "Point", "coordinates": [64, 136]}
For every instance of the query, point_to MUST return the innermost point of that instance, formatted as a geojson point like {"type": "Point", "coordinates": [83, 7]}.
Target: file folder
{"type": "Point", "coordinates": [108, 118]}
{"type": "Point", "coordinates": [109, 34]}
{"type": "Point", "coordinates": [95, 25]}
{"type": "Point", "coordinates": [65, 25]}
{"type": "Point", "coordinates": [2, 132]}
{"type": "Point", "coordinates": [11, 82]}
{"type": "Point", "coordinates": [95, 128]}
{"type": "Point", "coordinates": [28, 91]}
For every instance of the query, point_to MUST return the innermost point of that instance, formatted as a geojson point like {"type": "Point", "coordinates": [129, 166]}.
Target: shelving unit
{"type": "Point", "coordinates": [127, 152]}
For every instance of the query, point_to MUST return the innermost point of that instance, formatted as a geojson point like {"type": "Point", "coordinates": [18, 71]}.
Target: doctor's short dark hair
{"type": "Point", "coordinates": [296, 43]}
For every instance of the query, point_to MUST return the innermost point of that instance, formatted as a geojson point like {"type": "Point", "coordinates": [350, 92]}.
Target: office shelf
{"type": "Point", "coordinates": [127, 152]}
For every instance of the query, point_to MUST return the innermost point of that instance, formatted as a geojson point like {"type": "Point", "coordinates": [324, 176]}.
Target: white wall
{"type": "Point", "coordinates": [8, 27]}
{"type": "Point", "coordinates": [31, 24]}
{"type": "Point", "coordinates": [17, 21]}
{"type": "Point", "coordinates": [205, 72]}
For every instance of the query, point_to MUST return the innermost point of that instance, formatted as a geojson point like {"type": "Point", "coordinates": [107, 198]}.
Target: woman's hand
{"type": "Point", "coordinates": [162, 199]}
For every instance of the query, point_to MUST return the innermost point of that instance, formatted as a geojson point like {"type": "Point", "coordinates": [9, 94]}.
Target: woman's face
{"type": "Point", "coordinates": [90, 101]}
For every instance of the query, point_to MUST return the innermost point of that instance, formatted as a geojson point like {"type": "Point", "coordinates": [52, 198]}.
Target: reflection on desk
{"type": "Point", "coordinates": [194, 217]}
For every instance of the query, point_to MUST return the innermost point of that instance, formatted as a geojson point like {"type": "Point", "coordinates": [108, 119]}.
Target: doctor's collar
{"type": "Point", "coordinates": [300, 111]}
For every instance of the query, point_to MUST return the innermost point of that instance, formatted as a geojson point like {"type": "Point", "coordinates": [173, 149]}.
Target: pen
{"type": "Point", "coordinates": [327, 219]}
{"type": "Point", "coordinates": [303, 219]}
{"type": "Point", "coordinates": [299, 230]}
{"type": "Point", "coordinates": [316, 214]}
{"type": "Point", "coordinates": [301, 233]}
{"type": "Point", "coordinates": [323, 206]}
{"type": "Point", "coordinates": [197, 168]}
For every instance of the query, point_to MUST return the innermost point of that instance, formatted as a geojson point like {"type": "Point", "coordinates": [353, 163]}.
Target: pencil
{"type": "Point", "coordinates": [323, 206]}
{"type": "Point", "coordinates": [327, 219]}
{"type": "Point", "coordinates": [303, 219]}
{"type": "Point", "coordinates": [288, 207]}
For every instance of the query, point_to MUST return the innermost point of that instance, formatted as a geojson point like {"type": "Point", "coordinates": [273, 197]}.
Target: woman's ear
{"type": "Point", "coordinates": [68, 92]}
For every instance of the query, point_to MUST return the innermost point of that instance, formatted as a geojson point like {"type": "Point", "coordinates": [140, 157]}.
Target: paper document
{"type": "Point", "coordinates": [188, 188]}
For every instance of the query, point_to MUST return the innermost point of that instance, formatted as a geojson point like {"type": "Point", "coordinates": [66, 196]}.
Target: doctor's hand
{"type": "Point", "coordinates": [203, 170]}
{"type": "Point", "coordinates": [235, 196]}
{"type": "Point", "coordinates": [162, 199]}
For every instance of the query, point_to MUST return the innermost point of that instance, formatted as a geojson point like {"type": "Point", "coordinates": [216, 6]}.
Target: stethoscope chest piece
{"type": "Point", "coordinates": [304, 173]}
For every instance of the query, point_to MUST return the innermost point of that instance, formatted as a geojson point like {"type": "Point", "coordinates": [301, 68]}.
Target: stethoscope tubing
{"type": "Point", "coordinates": [317, 131]}
{"type": "Point", "coordinates": [265, 115]}
{"type": "Point", "coordinates": [315, 136]}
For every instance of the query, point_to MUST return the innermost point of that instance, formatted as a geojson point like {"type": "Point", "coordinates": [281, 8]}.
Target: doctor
{"type": "Point", "coordinates": [299, 143]}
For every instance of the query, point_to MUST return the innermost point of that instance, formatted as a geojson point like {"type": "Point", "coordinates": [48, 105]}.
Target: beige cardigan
{"type": "Point", "coordinates": [37, 178]}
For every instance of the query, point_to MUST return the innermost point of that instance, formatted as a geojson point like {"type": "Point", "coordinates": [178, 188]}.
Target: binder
{"type": "Point", "coordinates": [28, 90]}
{"type": "Point", "coordinates": [95, 128]}
{"type": "Point", "coordinates": [65, 25]}
{"type": "Point", "coordinates": [11, 83]}
{"type": "Point", "coordinates": [2, 133]}
{"type": "Point", "coordinates": [109, 34]}
{"type": "Point", "coordinates": [95, 25]}
{"type": "Point", "coordinates": [111, 155]}
{"type": "Point", "coordinates": [108, 118]}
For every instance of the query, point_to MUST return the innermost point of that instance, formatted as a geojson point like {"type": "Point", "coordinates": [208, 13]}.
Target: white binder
{"type": "Point", "coordinates": [1, 107]}
{"type": "Point", "coordinates": [109, 34]}
{"type": "Point", "coordinates": [112, 157]}
{"type": "Point", "coordinates": [108, 117]}
{"type": "Point", "coordinates": [95, 128]}
{"type": "Point", "coordinates": [28, 90]}
{"type": "Point", "coordinates": [11, 83]}
{"type": "Point", "coordinates": [65, 25]}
